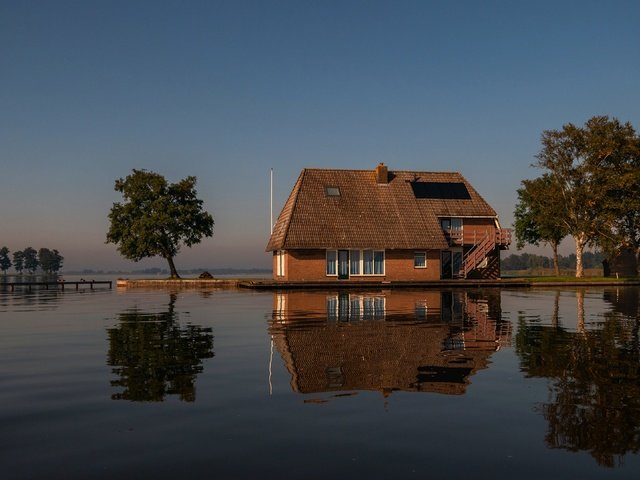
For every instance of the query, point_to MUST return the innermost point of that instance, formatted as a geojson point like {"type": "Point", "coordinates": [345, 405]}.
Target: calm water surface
{"type": "Point", "coordinates": [323, 384]}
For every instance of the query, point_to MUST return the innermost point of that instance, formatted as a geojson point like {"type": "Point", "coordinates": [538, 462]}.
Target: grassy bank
{"type": "Point", "coordinates": [547, 275]}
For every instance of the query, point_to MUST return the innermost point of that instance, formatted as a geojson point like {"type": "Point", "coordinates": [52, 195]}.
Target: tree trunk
{"type": "Point", "coordinates": [172, 268]}
{"type": "Point", "coordinates": [580, 244]}
{"type": "Point", "coordinates": [556, 266]}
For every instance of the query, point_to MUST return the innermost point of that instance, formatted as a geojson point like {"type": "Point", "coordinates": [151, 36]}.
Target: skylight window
{"type": "Point", "coordinates": [333, 191]}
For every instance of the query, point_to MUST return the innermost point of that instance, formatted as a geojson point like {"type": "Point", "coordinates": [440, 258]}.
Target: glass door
{"type": "Point", "coordinates": [445, 264]}
{"type": "Point", "coordinates": [457, 263]}
{"type": "Point", "coordinates": [343, 264]}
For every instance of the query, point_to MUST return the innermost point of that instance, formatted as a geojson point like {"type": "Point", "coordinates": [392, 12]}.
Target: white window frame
{"type": "Point", "coordinates": [360, 263]}
{"type": "Point", "coordinates": [280, 271]}
{"type": "Point", "coordinates": [415, 257]}
{"type": "Point", "coordinates": [335, 263]}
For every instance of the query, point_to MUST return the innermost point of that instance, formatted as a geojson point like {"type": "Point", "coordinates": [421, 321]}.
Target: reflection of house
{"type": "Point", "coordinates": [363, 225]}
{"type": "Point", "coordinates": [395, 340]}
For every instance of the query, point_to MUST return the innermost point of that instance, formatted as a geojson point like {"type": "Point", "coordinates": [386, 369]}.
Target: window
{"type": "Point", "coordinates": [354, 262]}
{"type": "Point", "coordinates": [367, 261]}
{"type": "Point", "coordinates": [333, 191]}
{"type": "Point", "coordinates": [360, 262]}
{"type": "Point", "coordinates": [332, 259]}
{"type": "Point", "coordinates": [280, 263]}
{"type": "Point", "coordinates": [457, 262]}
{"type": "Point", "coordinates": [451, 223]}
{"type": "Point", "coordinates": [378, 263]}
{"type": "Point", "coordinates": [420, 260]}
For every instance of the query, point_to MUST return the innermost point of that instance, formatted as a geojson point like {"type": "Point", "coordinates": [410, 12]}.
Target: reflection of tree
{"type": "Point", "coordinates": [595, 389]}
{"type": "Point", "coordinates": [154, 356]}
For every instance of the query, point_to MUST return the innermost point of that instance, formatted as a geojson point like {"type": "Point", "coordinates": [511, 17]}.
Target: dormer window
{"type": "Point", "coordinates": [333, 191]}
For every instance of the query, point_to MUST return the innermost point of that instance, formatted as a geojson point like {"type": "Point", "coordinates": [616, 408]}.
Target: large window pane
{"type": "Point", "coordinates": [332, 257]}
{"type": "Point", "coordinates": [355, 262]}
{"type": "Point", "coordinates": [378, 266]}
{"type": "Point", "coordinates": [367, 262]}
{"type": "Point", "coordinates": [457, 262]}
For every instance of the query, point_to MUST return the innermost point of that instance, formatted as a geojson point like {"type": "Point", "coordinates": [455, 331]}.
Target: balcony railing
{"type": "Point", "coordinates": [473, 236]}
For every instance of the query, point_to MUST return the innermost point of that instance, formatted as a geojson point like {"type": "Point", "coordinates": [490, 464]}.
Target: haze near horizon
{"type": "Point", "coordinates": [227, 90]}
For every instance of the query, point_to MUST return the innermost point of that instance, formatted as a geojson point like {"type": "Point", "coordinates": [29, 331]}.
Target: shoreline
{"type": "Point", "coordinates": [268, 284]}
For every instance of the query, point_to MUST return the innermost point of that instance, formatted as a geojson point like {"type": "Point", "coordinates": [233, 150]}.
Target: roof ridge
{"type": "Point", "coordinates": [367, 170]}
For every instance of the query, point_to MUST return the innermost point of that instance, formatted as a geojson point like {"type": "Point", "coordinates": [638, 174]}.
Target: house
{"type": "Point", "coordinates": [387, 226]}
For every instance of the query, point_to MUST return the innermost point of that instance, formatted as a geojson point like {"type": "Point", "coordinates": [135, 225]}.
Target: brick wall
{"type": "Point", "coordinates": [310, 265]}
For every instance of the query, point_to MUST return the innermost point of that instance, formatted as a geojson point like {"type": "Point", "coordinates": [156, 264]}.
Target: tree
{"type": "Point", "coordinates": [5, 262]}
{"type": "Point", "coordinates": [31, 263]}
{"type": "Point", "coordinates": [622, 201]}
{"type": "Point", "coordinates": [582, 163]}
{"type": "Point", "coordinates": [156, 218]}
{"type": "Point", "coordinates": [50, 261]}
{"type": "Point", "coordinates": [536, 215]}
{"type": "Point", "coordinates": [18, 261]}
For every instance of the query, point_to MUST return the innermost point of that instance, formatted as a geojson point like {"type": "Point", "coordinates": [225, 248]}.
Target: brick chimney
{"type": "Point", "coordinates": [382, 173]}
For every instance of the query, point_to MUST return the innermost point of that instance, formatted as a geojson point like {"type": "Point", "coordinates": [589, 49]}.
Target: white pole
{"type": "Point", "coordinates": [271, 200]}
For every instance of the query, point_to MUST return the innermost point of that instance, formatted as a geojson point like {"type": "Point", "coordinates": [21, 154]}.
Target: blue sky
{"type": "Point", "coordinates": [226, 90]}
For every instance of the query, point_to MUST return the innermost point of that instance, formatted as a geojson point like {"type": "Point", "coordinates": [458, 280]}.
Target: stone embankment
{"type": "Point", "coordinates": [267, 284]}
{"type": "Point", "coordinates": [178, 283]}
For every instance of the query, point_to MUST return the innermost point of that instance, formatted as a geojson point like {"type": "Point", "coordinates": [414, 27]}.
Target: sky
{"type": "Point", "coordinates": [227, 90]}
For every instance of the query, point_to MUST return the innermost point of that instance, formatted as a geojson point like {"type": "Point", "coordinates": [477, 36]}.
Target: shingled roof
{"type": "Point", "coordinates": [402, 213]}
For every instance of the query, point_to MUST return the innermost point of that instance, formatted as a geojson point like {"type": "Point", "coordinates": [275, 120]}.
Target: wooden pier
{"type": "Point", "coordinates": [61, 284]}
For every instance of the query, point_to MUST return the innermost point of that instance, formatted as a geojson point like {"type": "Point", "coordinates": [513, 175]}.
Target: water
{"type": "Point", "coordinates": [322, 384]}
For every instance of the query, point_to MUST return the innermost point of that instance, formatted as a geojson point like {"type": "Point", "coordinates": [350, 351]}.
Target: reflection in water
{"type": "Point", "coordinates": [594, 377]}
{"type": "Point", "coordinates": [428, 341]}
{"type": "Point", "coordinates": [154, 356]}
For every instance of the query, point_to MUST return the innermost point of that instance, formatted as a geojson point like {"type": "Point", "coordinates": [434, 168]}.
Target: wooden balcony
{"type": "Point", "coordinates": [473, 236]}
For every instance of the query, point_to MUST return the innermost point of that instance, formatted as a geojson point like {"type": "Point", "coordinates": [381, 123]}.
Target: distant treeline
{"type": "Point", "coordinates": [29, 260]}
{"type": "Point", "coordinates": [526, 261]}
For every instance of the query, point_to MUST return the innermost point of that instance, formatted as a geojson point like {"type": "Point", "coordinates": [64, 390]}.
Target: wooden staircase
{"type": "Point", "coordinates": [482, 247]}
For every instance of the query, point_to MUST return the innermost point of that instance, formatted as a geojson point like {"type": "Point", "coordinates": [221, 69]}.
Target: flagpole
{"type": "Point", "coordinates": [271, 201]}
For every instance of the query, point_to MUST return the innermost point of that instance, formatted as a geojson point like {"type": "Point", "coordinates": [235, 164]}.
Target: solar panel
{"type": "Point", "coordinates": [441, 190]}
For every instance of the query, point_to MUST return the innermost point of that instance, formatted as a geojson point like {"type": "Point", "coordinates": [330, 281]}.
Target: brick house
{"type": "Point", "coordinates": [388, 226]}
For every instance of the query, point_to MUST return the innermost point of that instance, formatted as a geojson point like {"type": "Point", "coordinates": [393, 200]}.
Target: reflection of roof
{"type": "Point", "coordinates": [376, 355]}
{"type": "Point", "coordinates": [400, 214]}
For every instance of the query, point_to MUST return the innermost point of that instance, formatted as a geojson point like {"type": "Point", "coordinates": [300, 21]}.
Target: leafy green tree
{"type": "Point", "coordinates": [156, 218]}
{"type": "Point", "coordinates": [31, 263]}
{"type": "Point", "coordinates": [18, 261]}
{"type": "Point", "coordinates": [537, 216]}
{"type": "Point", "coordinates": [582, 163]}
{"type": "Point", "coordinates": [50, 260]}
{"type": "Point", "coordinates": [620, 177]}
{"type": "Point", "coordinates": [5, 262]}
